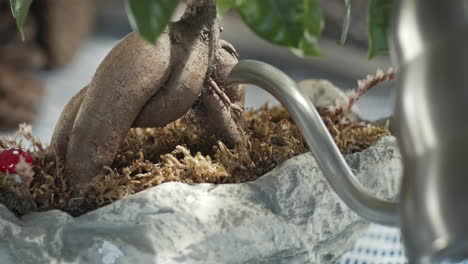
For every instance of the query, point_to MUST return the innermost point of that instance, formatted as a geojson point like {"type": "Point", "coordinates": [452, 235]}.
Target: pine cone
{"type": "Point", "coordinates": [20, 95]}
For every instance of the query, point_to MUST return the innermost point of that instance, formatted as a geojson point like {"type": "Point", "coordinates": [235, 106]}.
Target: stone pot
{"type": "Point", "coordinates": [289, 215]}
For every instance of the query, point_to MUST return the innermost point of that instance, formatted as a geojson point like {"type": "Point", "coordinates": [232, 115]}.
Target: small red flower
{"type": "Point", "coordinates": [11, 157]}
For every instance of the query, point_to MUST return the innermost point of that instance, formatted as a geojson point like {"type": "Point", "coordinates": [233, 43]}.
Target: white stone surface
{"type": "Point", "coordinates": [289, 215]}
{"type": "Point", "coordinates": [323, 93]}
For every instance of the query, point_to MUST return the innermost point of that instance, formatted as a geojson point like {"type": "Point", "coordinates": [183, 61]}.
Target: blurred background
{"type": "Point", "coordinates": [62, 50]}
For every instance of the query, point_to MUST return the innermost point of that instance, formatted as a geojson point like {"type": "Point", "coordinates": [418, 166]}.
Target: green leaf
{"type": "Point", "coordinates": [313, 17]}
{"type": "Point", "coordinates": [296, 24]}
{"type": "Point", "coordinates": [150, 17]}
{"type": "Point", "coordinates": [346, 19]}
{"type": "Point", "coordinates": [378, 25]}
{"type": "Point", "coordinates": [20, 9]}
{"type": "Point", "coordinates": [308, 47]}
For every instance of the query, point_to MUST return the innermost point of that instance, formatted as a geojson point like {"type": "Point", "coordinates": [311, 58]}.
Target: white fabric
{"type": "Point", "coordinates": [379, 245]}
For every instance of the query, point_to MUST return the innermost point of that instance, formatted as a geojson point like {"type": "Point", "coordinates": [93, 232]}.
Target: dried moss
{"type": "Point", "coordinates": [177, 152]}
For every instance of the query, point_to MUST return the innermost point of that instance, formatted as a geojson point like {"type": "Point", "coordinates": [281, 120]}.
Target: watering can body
{"type": "Point", "coordinates": [430, 49]}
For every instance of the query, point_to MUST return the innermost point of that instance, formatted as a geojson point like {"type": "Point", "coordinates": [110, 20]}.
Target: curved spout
{"type": "Point", "coordinates": [316, 135]}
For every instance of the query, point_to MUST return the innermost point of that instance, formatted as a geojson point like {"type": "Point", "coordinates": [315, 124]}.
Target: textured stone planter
{"type": "Point", "coordinates": [289, 215]}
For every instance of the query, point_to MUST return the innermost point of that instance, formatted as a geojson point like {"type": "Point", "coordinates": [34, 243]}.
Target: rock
{"type": "Point", "coordinates": [289, 215]}
{"type": "Point", "coordinates": [323, 93]}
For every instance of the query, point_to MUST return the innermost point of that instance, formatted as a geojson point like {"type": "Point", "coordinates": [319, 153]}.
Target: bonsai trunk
{"type": "Point", "coordinates": [140, 84]}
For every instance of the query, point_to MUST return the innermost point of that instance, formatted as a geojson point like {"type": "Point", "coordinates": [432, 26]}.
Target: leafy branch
{"type": "Point", "coordinates": [296, 24]}
{"type": "Point", "coordinates": [378, 25]}
{"type": "Point", "coordinates": [19, 9]}
{"type": "Point", "coordinates": [346, 21]}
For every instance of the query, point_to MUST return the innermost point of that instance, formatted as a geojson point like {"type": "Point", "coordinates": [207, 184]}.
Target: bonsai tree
{"type": "Point", "coordinates": [156, 74]}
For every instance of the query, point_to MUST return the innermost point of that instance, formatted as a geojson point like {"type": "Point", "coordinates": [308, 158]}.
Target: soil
{"type": "Point", "coordinates": [176, 152]}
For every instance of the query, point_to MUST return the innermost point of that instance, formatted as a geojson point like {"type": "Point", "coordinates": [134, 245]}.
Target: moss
{"type": "Point", "coordinates": [177, 152]}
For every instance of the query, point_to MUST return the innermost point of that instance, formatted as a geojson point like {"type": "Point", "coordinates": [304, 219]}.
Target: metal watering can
{"type": "Point", "coordinates": [430, 49]}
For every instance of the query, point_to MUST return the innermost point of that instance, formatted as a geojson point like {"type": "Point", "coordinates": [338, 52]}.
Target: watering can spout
{"type": "Point", "coordinates": [317, 137]}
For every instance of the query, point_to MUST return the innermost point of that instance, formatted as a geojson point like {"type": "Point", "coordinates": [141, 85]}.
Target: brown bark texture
{"type": "Point", "coordinates": [140, 84]}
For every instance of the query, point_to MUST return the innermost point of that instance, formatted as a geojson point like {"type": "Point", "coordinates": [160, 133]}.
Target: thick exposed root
{"type": "Point", "coordinates": [63, 129]}
{"type": "Point", "coordinates": [221, 109]}
{"type": "Point", "coordinates": [223, 96]}
{"type": "Point", "coordinates": [144, 85]}
{"type": "Point", "coordinates": [225, 61]}
{"type": "Point", "coordinates": [113, 100]}
{"type": "Point", "coordinates": [181, 91]}
{"type": "Point", "coordinates": [218, 118]}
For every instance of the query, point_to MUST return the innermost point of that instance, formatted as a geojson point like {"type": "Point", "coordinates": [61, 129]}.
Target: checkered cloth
{"type": "Point", "coordinates": [379, 245]}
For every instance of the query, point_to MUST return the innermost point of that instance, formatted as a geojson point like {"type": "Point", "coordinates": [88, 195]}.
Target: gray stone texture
{"type": "Point", "coordinates": [323, 93]}
{"type": "Point", "coordinates": [289, 215]}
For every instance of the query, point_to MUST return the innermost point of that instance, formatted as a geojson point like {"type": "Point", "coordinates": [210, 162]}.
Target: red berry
{"type": "Point", "coordinates": [11, 157]}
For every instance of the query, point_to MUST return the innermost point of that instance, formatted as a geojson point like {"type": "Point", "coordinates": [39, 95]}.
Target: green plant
{"type": "Point", "coordinates": [19, 9]}
{"type": "Point", "coordinates": [155, 77]}
{"type": "Point", "coordinates": [296, 24]}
